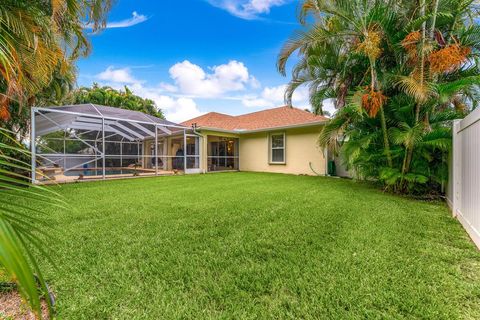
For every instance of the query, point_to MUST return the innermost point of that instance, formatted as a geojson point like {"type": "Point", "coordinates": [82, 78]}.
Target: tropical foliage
{"type": "Point", "coordinates": [115, 98]}
{"type": "Point", "coordinates": [398, 72]}
{"type": "Point", "coordinates": [39, 44]}
{"type": "Point", "coordinates": [23, 227]}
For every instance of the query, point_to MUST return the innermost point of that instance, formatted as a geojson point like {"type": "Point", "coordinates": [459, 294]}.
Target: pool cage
{"type": "Point", "coordinates": [88, 142]}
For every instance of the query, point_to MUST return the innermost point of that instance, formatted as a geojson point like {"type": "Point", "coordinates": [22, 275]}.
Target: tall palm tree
{"type": "Point", "coordinates": [355, 29]}
{"type": "Point", "coordinates": [392, 67]}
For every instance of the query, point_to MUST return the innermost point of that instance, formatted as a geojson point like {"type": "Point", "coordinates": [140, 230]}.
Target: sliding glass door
{"type": "Point", "coordinates": [222, 153]}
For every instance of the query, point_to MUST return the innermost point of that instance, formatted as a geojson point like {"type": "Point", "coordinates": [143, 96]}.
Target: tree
{"type": "Point", "coordinates": [39, 44]}
{"type": "Point", "coordinates": [108, 96]}
{"type": "Point", "coordinates": [23, 228]}
{"type": "Point", "coordinates": [40, 40]}
{"type": "Point", "coordinates": [399, 72]}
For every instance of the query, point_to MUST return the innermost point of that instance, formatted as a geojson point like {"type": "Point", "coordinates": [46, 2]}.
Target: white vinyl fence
{"type": "Point", "coordinates": [463, 193]}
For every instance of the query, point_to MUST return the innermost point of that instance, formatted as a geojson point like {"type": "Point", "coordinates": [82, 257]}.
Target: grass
{"type": "Point", "coordinates": [252, 245]}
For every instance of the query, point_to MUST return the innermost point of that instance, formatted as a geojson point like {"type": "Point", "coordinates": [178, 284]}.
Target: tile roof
{"type": "Point", "coordinates": [271, 118]}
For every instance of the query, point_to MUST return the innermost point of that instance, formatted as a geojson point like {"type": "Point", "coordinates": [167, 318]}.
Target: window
{"type": "Point", "coordinates": [277, 148]}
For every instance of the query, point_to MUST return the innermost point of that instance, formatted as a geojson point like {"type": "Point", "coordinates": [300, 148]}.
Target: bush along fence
{"type": "Point", "coordinates": [463, 193]}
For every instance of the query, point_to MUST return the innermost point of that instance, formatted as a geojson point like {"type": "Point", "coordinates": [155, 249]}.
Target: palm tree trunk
{"type": "Point", "coordinates": [432, 30]}
{"type": "Point", "coordinates": [434, 19]}
{"type": "Point", "coordinates": [404, 165]}
{"type": "Point", "coordinates": [409, 159]}
{"type": "Point", "coordinates": [422, 57]}
{"type": "Point", "coordinates": [385, 137]}
{"type": "Point", "coordinates": [422, 79]}
{"type": "Point", "coordinates": [382, 115]}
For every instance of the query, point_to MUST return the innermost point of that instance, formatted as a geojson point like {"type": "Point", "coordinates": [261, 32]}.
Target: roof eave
{"type": "Point", "coordinates": [216, 130]}
{"type": "Point", "coordinates": [237, 131]}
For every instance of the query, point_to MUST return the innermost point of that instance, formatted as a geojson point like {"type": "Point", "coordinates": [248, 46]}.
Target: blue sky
{"type": "Point", "coordinates": [195, 56]}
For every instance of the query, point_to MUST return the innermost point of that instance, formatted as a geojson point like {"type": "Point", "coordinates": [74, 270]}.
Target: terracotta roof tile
{"type": "Point", "coordinates": [265, 119]}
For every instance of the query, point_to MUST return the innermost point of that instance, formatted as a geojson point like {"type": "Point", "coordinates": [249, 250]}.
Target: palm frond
{"type": "Point", "coordinates": [439, 139]}
{"type": "Point", "coordinates": [445, 91]}
{"type": "Point", "coordinates": [338, 126]}
{"type": "Point", "coordinates": [406, 135]}
{"type": "Point", "coordinates": [420, 91]}
{"type": "Point", "coordinates": [416, 23]}
{"type": "Point", "coordinates": [19, 226]}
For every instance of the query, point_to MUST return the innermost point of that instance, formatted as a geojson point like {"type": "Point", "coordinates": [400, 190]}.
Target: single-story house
{"type": "Point", "coordinates": [283, 140]}
{"type": "Point", "coordinates": [88, 142]}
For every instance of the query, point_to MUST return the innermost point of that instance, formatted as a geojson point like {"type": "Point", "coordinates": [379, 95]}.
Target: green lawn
{"type": "Point", "coordinates": [252, 245]}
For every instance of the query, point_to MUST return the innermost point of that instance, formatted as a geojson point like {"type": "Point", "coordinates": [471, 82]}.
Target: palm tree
{"type": "Point", "coordinates": [339, 51]}
{"type": "Point", "coordinates": [39, 39]}
{"type": "Point", "coordinates": [22, 227]}
{"type": "Point", "coordinates": [39, 43]}
{"type": "Point", "coordinates": [399, 71]}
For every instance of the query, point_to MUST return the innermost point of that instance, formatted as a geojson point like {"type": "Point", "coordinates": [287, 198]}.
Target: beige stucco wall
{"type": "Point", "coordinates": [301, 150]}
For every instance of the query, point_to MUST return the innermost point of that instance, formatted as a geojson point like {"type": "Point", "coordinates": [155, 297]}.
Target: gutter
{"type": "Point", "coordinates": [240, 131]}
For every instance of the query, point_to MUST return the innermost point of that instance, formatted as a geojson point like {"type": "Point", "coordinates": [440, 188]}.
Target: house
{"type": "Point", "coordinates": [89, 142]}
{"type": "Point", "coordinates": [282, 140]}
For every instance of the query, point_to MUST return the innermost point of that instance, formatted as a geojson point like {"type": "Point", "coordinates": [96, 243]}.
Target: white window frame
{"type": "Point", "coordinates": [270, 148]}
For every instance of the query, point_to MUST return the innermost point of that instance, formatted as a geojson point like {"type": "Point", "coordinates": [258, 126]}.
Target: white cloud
{"type": "Point", "coordinates": [247, 9]}
{"type": "Point", "coordinates": [255, 83]}
{"type": "Point", "coordinates": [134, 20]}
{"type": "Point", "coordinates": [178, 110]}
{"type": "Point", "coordinates": [257, 103]}
{"type": "Point", "coordinates": [120, 75]}
{"type": "Point", "coordinates": [274, 94]}
{"type": "Point", "coordinates": [192, 80]}
{"type": "Point", "coordinates": [271, 97]}
{"type": "Point", "coordinates": [174, 109]}
{"type": "Point", "coordinates": [168, 87]}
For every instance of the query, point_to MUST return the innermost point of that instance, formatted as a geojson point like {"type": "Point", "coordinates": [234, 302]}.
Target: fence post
{"type": "Point", "coordinates": [456, 166]}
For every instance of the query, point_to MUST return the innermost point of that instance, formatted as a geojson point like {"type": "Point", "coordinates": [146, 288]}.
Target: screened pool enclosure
{"type": "Point", "coordinates": [87, 141]}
